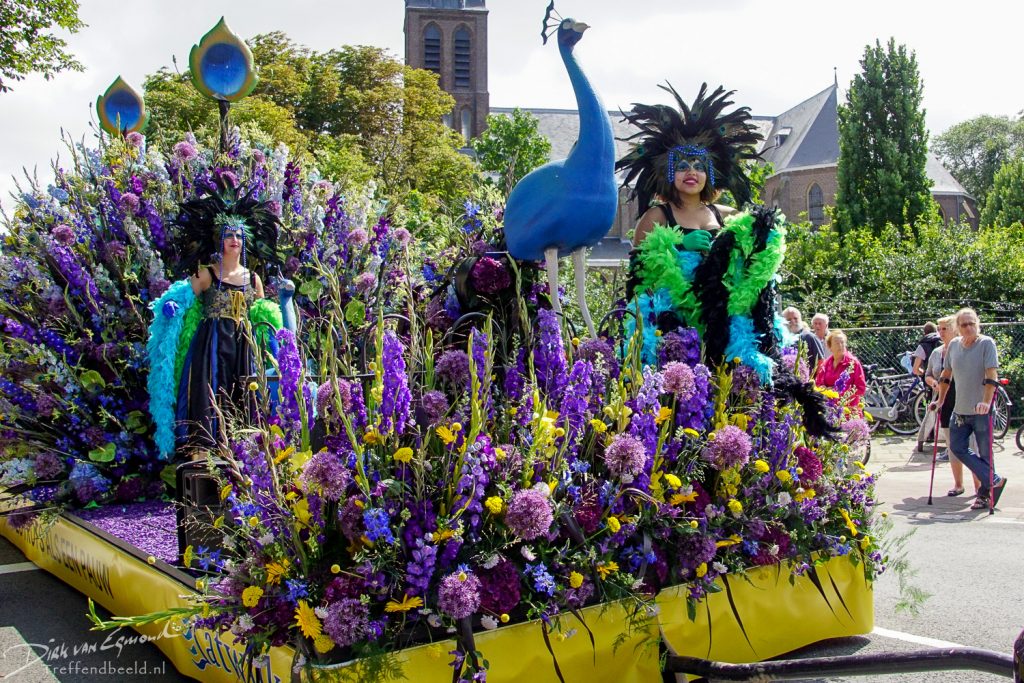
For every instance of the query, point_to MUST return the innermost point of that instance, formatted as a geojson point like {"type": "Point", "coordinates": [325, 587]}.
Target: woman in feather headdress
{"type": "Point", "coordinates": [199, 344]}
{"type": "Point", "coordinates": [686, 157]}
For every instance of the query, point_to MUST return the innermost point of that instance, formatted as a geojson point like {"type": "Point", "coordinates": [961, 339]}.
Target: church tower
{"type": "Point", "coordinates": [449, 37]}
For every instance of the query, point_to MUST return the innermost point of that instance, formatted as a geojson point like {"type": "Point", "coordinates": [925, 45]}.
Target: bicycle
{"type": "Point", "coordinates": [890, 399]}
{"type": "Point", "coordinates": [1001, 410]}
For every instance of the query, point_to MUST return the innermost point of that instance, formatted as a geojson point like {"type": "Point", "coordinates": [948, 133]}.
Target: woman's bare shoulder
{"type": "Point", "coordinates": [726, 210]}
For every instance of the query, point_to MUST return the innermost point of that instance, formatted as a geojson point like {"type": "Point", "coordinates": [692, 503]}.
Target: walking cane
{"type": "Point", "coordinates": [991, 457]}
{"type": "Point", "coordinates": [935, 449]}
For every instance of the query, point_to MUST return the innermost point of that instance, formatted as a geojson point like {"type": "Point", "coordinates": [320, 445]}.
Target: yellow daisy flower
{"type": "Point", "coordinates": [307, 621]}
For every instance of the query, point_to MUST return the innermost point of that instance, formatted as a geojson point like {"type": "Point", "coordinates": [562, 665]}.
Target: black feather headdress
{"type": "Point", "coordinates": [201, 222]}
{"type": "Point", "coordinates": [700, 129]}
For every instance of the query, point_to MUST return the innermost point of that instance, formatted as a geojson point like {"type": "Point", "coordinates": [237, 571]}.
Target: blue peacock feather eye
{"type": "Point", "coordinates": [222, 65]}
{"type": "Point", "coordinates": [121, 109]}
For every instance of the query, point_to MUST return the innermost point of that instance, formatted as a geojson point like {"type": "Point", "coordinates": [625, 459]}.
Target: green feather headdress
{"type": "Point", "coordinates": [724, 141]}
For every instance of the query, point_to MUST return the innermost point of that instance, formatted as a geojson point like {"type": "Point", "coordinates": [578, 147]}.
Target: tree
{"type": "Point", "coordinates": [883, 144]}
{"type": "Point", "coordinates": [511, 147]}
{"type": "Point", "coordinates": [1005, 202]}
{"type": "Point", "coordinates": [26, 43]}
{"type": "Point", "coordinates": [975, 149]}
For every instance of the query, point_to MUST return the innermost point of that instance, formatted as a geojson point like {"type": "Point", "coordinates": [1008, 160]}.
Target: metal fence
{"type": "Point", "coordinates": [885, 345]}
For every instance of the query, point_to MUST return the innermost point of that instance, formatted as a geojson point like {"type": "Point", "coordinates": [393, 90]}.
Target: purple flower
{"type": "Point", "coordinates": [347, 621]}
{"type": "Point", "coordinates": [325, 398]}
{"type": "Point", "coordinates": [682, 346]}
{"type": "Point", "coordinates": [402, 236]}
{"type": "Point", "coordinates": [364, 282]}
{"type": "Point", "coordinates": [129, 203]}
{"type": "Point", "coordinates": [378, 525]}
{"type": "Point", "coordinates": [291, 370]}
{"type": "Point", "coordinates": [679, 380]}
{"type": "Point", "coordinates": [64, 234]}
{"type": "Point", "coordinates": [435, 405]}
{"type": "Point", "coordinates": [489, 275]}
{"type": "Point", "coordinates": [453, 368]}
{"type": "Point", "coordinates": [48, 465]}
{"type": "Point", "coordinates": [291, 266]}
{"type": "Point", "coordinates": [624, 456]}
{"type": "Point", "coordinates": [358, 238]}
{"type": "Point", "coordinates": [728, 447]}
{"type": "Point", "coordinates": [529, 514]}
{"type": "Point", "coordinates": [458, 596]}
{"type": "Point", "coordinates": [499, 588]}
{"type": "Point", "coordinates": [115, 251]}
{"type": "Point", "coordinates": [420, 568]}
{"type": "Point", "coordinates": [394, 406]}
{"type": "Point", "coordinates": [185, 152]}
{"type": "Point", "coordinates": [810, 464]}
{"type": "Point", "coordinates": [549, 355]}
{"type": "Point", "coordinates": [601, 356]}
{"type": "Point", "coordinates": [134, 139]}
{"type": "Point", "coordinates": [326, 474]}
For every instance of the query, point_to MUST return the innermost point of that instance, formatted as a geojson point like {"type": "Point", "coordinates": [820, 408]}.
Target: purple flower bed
{"type": "Point", "coordinates": [150, 526]}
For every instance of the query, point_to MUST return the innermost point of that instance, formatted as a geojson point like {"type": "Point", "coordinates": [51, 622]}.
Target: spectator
{"type": "Point", "coordinates": [819, 323]}
{"type": "Point", "coordinates": [947, 332]}
{"type": "Point", "coordinates": [972, 362]}
{"type": "Point", "coordinates": [839, 363]}
{"type": "Point", "coordinates": [930, 341]}
{"type": "Point", "coordinates": [796, 325]}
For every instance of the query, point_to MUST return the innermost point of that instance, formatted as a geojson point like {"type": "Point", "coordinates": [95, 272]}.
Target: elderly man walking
{"type": "Point", "coordinates": [972, 362]}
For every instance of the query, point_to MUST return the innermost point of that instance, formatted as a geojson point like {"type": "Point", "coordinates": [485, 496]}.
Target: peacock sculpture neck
{"type": "Point", "coordinates": [595, 147]}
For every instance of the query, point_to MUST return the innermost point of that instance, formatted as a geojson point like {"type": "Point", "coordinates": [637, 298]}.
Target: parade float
{"type": "Point", "coordinates": [434, 476]}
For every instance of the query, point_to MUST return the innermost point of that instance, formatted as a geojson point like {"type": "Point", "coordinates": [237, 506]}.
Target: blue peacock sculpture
{"type": "Point", "coordinates": [568, 205]}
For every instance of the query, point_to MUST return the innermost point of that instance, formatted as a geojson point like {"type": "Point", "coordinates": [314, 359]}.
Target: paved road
{"type": "Point", "coordinates": [969, 561]}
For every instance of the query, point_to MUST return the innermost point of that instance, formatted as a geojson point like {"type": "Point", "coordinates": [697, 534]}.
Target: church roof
{"type": "Point", "coordinates": [806, 135]}
{"type": "Point", "coordinates": [445, 4]}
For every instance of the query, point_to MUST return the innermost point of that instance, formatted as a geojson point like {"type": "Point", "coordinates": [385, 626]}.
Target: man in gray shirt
{"type": "Point", "coordinates": [972, 362]}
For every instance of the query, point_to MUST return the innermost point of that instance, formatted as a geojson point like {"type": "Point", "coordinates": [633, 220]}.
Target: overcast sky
{"type": "Point", "coordinates": [773, 54]}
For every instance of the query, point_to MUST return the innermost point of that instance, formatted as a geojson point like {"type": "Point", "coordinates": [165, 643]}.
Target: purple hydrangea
{"type": "Point", "coordinates": [347, 621]}
{"type": "Point", "coordinates": [458, 596]}
{"type": "Point", "coordinates": [529, 514]}
{"type": "Point", "coordinates": [728, 447]}
{"type": "Point", "coordinates": [326, 474]}
{"type": "Point", "coordinates": [624, 456]}
{"type": "Point", "coordinates": [489, 275]}
{"type": "Point", "coordinates": [679, 380]}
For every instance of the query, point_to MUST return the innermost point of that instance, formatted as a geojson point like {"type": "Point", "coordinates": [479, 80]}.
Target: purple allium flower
{"type": "Point", "coordinates": [437, 314]}
{"type": "Point", "coordinates": [682, 346]}
{"type": "Point", "coordinates": [130, 489]}
{"type": "Point", "coordinates": [325, 398]}
{"type": "Point", "coordinates": [134, 139]}
{"type": "Point", "coordinates": [499, 587]}
{"type": "Point", "coordinates": [48, 465]}
{"type": "Point", "coordinates": [274, 207]}
{"type": "Point", "coordinates": [325, 186]}
{"type": "Point", "coordinates": [529, 514]}
{"type": "Point", "coordinates": [695, 549]}
{"type": "Point", "coordinates": [291, 266]}
{"type": "Point", "coordinates": [64, 234]}
{"type": "Point", "coordinates": [435, 405]}
{"type": "Point", "coordinates": [728, 447]}
{"type": "Point", "coordinates": [625, 456]}
{"type": "Point", "coordinates": [489, 275]}
{"type": "Point", "coordinates": [810, 464]}
{"type": "Point", "coordinates": [115, 250]}
{"type": "Point", "coordinates": [857, 431]}
{"type": "Point", "coordinates": [458, 596]}
{"type": "Point", "coordinates": [453, 368]}
{"type": "Point", "coordinates": [129, 202]}
{"type": "Point", "coordinates": [679, 380]}
{"type": "Point", "coordinates": [326, 475]}
{"type": "Point", "coordinates": [350, 519]}
{"type": "Point", "coordinates": [402, 236]}
{"type": "Point", "coordinates": [227, 177]}
{"type": "Point", "coordinates": [746, 382]}
{"type": "Point", "coordinates": [347, 621]}
{"type": "Point", "coordinates": [480, 247]}
{"type": "Point", "coordinates": [185, 152]}
{"type": "Point", "coordinates": [358, 238]}
{"type": "Point", "coordinates": [364, 282]}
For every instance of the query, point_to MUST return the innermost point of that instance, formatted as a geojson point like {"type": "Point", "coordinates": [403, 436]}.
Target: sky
{"type": "Point", "coordinates": [774, 55]}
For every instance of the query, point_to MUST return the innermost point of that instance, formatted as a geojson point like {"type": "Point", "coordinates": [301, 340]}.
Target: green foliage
{"type": "Point", "coordinates": [511, 147]}
{"type": "Point", "coordinates": [758, 174]}
{"type": "Point", "coordinates": [861, 278]}
{"type": "Point", "coordinates": [974, 150]}
{"type": "Point", "coordinates": [1005, 202]}
{"type": "Point", "coordinates": [27, 44]}
{"type": "Point", "coordinates": [883, 144]}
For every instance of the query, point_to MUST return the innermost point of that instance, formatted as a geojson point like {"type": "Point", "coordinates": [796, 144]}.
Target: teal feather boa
{"type": "Point", "coordinates": [743, 344]}
{"type": "Point", "coordinates": [647, 308]}
{"type": "Point", "coordinates": [169, 312]}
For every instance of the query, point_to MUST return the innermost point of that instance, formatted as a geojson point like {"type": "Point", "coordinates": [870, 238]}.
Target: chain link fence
{"type": "Point", "coordinates": [885, 345]}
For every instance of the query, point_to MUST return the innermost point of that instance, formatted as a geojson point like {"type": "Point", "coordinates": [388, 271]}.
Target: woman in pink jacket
{"type": "Point", "coordinates": [841, 361]}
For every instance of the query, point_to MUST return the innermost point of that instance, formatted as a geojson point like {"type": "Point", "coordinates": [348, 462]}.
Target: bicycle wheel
{"type": "Point", "coordinates": [1000, 414]}
{"type": "Point", "coordinates": [921, 407]}
{"type": "Point", "coordinates": [905, 422]}
{"type": "Point", "coordinates": [1020, 438]}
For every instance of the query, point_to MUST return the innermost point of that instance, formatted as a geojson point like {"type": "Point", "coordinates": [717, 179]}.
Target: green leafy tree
{"type": "Point", "coordinates": [510, 147]}
{"type": "Point", "coordinates": [1005, 203]}
{"type": "Point", "coordinates": [27, 44]}
{"type": "Point", "coordinates": [883, 143]}
{"type": "Point", "coordinates": [975, 149]}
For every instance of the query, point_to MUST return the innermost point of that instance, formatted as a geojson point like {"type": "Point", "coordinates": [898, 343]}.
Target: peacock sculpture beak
{"type": "Point", "coordinates": [579, 26]}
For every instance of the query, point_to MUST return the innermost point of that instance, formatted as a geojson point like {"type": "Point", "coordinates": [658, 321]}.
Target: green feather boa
{"type": "Point", "coordinates": [749, 274]}
{"type": "Point", "coordinates": [264, 311]}
{"type": "Point", "coordinates": [660, 269]}
{"type": "Point", "coordinates": [193, 316]}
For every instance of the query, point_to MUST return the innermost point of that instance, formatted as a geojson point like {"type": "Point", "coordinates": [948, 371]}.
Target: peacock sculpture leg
{"type": "Point", "coordinates": [579, 259]}
{"type": "Point", "coordinates": [551, 264]}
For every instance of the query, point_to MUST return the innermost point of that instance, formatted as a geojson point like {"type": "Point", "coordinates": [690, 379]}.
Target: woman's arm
{"type": "Point", "coordinates": [201, 281]}
{"type": "Point", "coordinates": [646, 224]}
{"type": "Point", "coordinates": [857, 377]}
{"type": "Point", "coordinates": [258, 286]}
